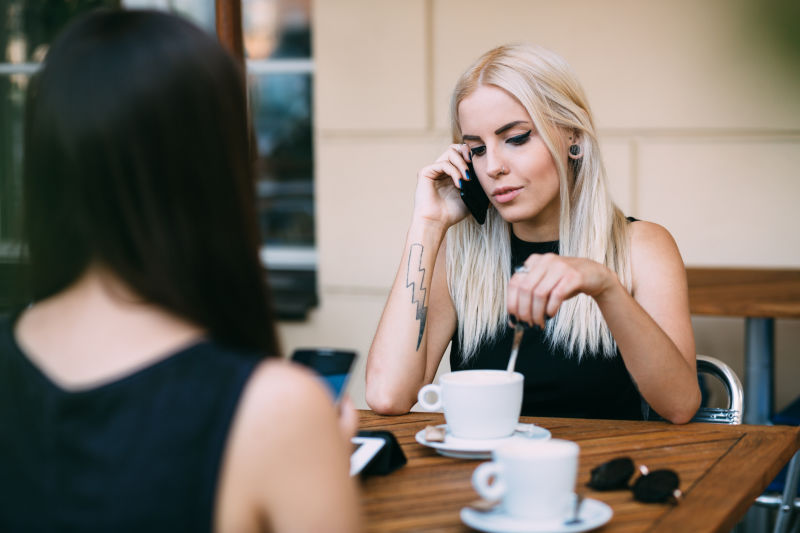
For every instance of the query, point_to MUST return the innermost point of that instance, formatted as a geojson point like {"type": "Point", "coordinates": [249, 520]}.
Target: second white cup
{"type": "Point", "coordinates": [477, 404]}
{"type": "Point", "coordinates": [532, 479]}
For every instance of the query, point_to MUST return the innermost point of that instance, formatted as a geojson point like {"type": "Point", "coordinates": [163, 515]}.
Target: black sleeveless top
{"type": "Point", "coordinates": [141, 453]}
{"type": "Point", "coordinates": [556, 384]}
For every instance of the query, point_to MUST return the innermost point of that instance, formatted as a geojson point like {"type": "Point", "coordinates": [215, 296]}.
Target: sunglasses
{"type": "Point", "coordinates": [658, 486]}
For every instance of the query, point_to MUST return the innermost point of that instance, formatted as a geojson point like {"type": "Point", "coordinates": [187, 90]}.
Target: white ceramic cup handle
{"type": "Point", "coordinates": [424, 391]}
{"type": "Point", "coordinates": [480, 480]}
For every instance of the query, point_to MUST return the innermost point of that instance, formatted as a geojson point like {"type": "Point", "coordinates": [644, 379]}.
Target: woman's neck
{"type": "Point", "coordinates": [528, 232]}
{"type": "Point", "coordinates": [98, 329]}
{"type": "Point", "coordinates": [543, 227]}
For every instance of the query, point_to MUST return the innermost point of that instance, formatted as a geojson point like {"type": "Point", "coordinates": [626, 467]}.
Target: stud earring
{"type": "Point", "coordinates": [575, 151]}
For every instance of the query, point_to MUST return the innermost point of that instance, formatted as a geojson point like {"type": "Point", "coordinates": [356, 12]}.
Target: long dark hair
{"type": "Point", "coordinates": [137, 159]}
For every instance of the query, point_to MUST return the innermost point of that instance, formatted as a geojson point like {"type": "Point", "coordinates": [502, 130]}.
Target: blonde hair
{"type": "Point", "coordinates": [591, 226]}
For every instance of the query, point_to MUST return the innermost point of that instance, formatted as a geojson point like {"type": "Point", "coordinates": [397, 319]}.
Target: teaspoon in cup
{"type": "Point", "coordinates": [519, 331]}
{"type": "Point", "coordinates": [576, 509]}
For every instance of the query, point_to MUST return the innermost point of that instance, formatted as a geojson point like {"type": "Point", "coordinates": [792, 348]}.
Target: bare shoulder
{"type": "Point", "coordinates": [278, 395]}
{"type": "Point", "coordinates": [284, 418]}
{"type": "Point", "coordinates": [659, 283]}
{"type": "Point", "coordinates": [650, 237]}
{"type": "Point", "coordinates": [283, 412]}
{"type": "Point", "coordinates": [654, 254]}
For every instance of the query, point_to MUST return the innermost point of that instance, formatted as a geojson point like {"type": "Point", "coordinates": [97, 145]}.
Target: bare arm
{"type": "Point", "coordinates": [652, 326]}
{"type": "Point", "coordinates": [415, 327]}
{"type": "Point", "coordinates": [655, 334]}
{"type": "Point", "coordinates": [287, 461]}
{"type": "Point", "coordinates": [419, 319]}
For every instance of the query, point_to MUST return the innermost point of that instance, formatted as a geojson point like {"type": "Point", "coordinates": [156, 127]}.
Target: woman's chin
{"type": "Point", "coordinates": [513, 214]}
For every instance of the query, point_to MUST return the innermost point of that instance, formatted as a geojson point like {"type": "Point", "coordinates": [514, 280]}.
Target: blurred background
{"type": "Point", "coordinates": [696, 104]}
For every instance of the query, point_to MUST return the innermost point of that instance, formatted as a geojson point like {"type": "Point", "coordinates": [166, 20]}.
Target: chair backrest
{"type": "Point", "coordinates": [733, 413]}
{"type": "Point", "coordinates": [786, 503]}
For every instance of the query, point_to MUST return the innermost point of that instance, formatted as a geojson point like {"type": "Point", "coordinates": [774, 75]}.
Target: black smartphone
{"type": "Point", "coordinates": [473, 195]}
{"type": "Point", "coordinates": [333, 366]}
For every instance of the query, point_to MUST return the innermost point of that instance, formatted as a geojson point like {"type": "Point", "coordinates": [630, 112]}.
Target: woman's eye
{"type": "Point", "coordinates": [520, 139]}
{"type": "Point", "coordinates": [478, 150]}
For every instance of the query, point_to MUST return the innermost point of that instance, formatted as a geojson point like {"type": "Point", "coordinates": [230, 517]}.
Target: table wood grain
{"type": "Point", "coordinates": [722, 469]}
{"type": "Point", "coordinates": [744, 292]}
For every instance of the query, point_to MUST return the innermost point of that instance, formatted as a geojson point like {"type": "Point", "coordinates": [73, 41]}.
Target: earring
{"type": "Point", "coordinates": [575, 151]}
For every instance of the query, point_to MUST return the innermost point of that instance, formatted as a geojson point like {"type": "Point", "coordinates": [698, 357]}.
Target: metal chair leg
{"type": "Point", "coordinates": [789, 490]}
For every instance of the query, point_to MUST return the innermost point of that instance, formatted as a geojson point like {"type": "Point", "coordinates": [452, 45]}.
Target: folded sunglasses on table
{"type": "Point", "coordinates": [658, 486]}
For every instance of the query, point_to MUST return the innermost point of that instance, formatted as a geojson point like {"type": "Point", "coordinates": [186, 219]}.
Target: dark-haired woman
{"type": "Point", "coordinates": [140, 391]}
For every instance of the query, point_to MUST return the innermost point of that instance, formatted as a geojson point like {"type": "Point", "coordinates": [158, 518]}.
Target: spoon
{"type": "Point", "coordinates": [519, 331]}
{"type": "Point", "coordinates": [576, 507]}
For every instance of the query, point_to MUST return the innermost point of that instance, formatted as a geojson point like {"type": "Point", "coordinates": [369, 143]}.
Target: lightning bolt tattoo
{"type": "Point", "coordinates": [415, 276]}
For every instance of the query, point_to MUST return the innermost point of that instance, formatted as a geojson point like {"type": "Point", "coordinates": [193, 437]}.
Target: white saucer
{"type": "Point", "coordinates": [479, 448]}
{"type": "Point", "coordinates": [593, 514]}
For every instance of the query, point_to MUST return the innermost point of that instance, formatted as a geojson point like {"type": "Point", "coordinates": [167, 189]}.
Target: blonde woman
{"type": "Point", "coordinates": [620, 339]}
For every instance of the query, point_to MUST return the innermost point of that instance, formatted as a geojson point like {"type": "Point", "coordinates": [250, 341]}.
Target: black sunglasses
{"type": "Point", "coordinates": [658, 486]}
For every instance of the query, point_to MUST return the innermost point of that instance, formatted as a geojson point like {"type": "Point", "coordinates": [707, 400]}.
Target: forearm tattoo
{"type": "Point", "coordinates": [415, 277]}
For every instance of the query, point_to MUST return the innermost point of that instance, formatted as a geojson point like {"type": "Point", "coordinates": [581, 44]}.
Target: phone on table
{"type": "Point", "coordinates": [333, 366]}
{"type": "Point", "coordinates": [473, 195]}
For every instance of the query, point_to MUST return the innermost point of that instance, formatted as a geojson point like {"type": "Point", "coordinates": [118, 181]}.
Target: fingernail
{"type": "Point", "coordinates": [466, 173]}
{"type": "Point", "coordinates": [512, 320]}
{"type": "Point", "coordinates": [460, 184]}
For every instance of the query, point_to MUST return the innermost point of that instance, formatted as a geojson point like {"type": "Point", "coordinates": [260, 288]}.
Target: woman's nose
{"type": "Point", "coordinates": [495, 166]}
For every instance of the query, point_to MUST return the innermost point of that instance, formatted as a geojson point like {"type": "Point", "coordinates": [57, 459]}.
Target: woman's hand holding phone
{"type": "Point", "coordinates": [438, 196]}
{"type": "Point", "coordinates": [333, 367]}
{"type": "Point", "coordinates": [348, 417]}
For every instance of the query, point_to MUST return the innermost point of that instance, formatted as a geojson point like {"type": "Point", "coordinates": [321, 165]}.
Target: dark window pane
{"type": "Point", "coordinates": [281, 108]}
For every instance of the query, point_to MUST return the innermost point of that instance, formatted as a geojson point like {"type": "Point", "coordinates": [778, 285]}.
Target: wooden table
{"type": "Point", "coordinates": [722, 469]}
{"type": "Point", "coordinates": [761, 296]}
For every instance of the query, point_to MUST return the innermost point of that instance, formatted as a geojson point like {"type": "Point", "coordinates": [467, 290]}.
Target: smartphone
{"type": "Point", "coordinates": [333, 366]}
{"type": "Point", "coordinates": [365, 448]}
{"type": "Point", "coordinates": [473, 195]}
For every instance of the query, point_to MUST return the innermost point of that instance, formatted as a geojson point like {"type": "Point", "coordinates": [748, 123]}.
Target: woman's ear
{"type": "Point", "coordinates": [574, 147]}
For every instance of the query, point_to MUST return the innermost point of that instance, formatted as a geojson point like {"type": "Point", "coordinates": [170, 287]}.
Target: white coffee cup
{"type": "Point", "coordinates": [532, 479]}
{"type": "Point", "coordinates": [477, 404]}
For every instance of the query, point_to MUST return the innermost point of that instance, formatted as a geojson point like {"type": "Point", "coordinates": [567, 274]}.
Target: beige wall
{"type": "Point", "coordinates": [698, 115]}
